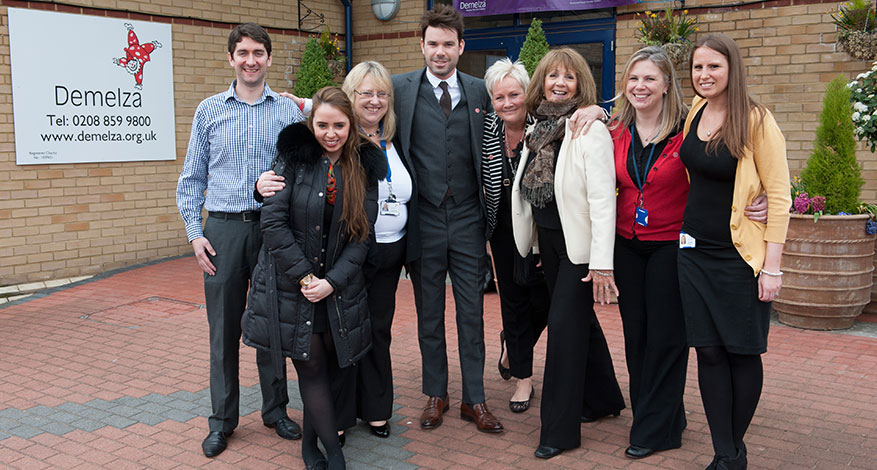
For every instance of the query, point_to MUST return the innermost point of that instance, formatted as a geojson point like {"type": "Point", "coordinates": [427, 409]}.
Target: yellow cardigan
{"type": "Point", "coordinates": [763, 168]}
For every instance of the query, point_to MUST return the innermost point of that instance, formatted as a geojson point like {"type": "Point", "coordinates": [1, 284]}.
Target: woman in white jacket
{"type": "Point", "coordinates": [563, 204]}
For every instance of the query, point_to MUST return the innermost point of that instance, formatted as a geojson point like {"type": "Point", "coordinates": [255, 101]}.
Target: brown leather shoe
{"type": "Point", "coordinates": [432, 413]}
{"type": "Point", "coordinates": [483, 419]}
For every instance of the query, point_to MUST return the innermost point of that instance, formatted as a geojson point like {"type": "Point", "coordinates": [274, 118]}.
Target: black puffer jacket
{"type": "Point", "coordinates": [278, 317]}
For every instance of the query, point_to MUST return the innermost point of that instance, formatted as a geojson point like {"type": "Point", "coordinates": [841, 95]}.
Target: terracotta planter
{"type": "Point", "coordinates": [828, 269]}
{"type": "Point", "coordinates": [872, 306]}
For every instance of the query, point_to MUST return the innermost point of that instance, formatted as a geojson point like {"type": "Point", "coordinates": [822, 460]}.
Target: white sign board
{"type": "Point", "coordinates": [90, 89]}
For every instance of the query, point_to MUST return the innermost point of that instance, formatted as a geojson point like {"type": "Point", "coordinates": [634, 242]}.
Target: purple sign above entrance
{"type": "Point", "coordinates": [501, 7]}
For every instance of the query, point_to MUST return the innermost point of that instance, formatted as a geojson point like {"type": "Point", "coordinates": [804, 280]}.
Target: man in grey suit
{"type": "Point", "coordinates": [441, 115]}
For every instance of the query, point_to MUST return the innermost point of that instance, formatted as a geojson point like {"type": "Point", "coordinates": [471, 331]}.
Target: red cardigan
{"type": "Point", "coordinates": [665, 195]}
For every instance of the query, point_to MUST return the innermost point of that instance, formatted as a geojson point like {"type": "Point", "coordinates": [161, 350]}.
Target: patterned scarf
{"type": "Point", "coordinates": [537, 183]}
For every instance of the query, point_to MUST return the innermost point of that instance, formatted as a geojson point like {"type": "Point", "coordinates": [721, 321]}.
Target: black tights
{"type": "Point", "coordinates": [730, 386]}
{"type": "Point", "coordinates": [319, 416]}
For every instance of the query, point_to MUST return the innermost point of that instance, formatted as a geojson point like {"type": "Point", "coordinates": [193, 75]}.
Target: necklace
{"type": "Point", "coordinates": [508, 147]}
{"type": "Point", "coordinates": [370, 134]}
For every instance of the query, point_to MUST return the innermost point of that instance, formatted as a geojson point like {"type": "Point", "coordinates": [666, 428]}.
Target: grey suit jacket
{"type": "Point", "coordinates": [405, 88]}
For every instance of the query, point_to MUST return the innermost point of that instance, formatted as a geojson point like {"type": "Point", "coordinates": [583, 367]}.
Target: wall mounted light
{"type": "Point", "coordinates": [385, 9]}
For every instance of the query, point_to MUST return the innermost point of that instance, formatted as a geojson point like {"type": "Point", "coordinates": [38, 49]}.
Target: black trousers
{"type": "Point", "coordinates": [524, 308]}
{"type": "Point", "coordinates": [452, 242]}
{"type": "Point", "coordinates": [654, 340]}
{"type": "Point", "coordinates": [237, 245]}
{"type": "Point", "coordinates": [579, 376]}
{"type": "Point", "coordinates": [365, 389]}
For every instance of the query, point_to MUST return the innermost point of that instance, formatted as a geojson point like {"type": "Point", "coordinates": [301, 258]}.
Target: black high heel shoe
{"type": "Point", "coordinates": [504, 372]}
{"type": "Point", "coordinates": [591, 419]}
{"type": "Point", "coordinates": [382, 431]}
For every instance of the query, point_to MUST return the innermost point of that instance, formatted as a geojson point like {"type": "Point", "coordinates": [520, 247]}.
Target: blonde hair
{"type": "Point", "coordinates": [673, 109]}
{"type": "Point", "coordinates": [586, 89]}
{"type": "Point", "coordinates": [382, 79]}
{"type": "Point", "coordinates": [505, 68]}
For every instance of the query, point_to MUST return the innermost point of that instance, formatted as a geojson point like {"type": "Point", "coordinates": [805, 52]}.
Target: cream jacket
{"type": "Point", "coordinates": [763, 168]}
{"type": "Point", "coordinates": [584, 188]}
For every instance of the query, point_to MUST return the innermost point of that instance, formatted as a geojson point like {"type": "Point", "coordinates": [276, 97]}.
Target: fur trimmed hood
{"type": "Point", "coordinates": [297, 144]}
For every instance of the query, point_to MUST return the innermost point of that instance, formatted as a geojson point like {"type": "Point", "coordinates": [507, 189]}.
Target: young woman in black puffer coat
{"type": "Point", "coordinates": [308, 298]}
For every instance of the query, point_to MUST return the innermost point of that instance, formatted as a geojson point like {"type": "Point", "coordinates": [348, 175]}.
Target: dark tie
{"type": "Point", "coordinates": [445, 100]}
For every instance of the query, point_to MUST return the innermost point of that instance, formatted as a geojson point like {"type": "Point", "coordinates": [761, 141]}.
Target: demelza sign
{"type": "Point", "coordinates": [90, 89]}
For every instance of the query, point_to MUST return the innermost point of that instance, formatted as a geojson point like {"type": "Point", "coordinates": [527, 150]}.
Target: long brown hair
{"type": "Point", "coordinates": [735, 131]}
{"type": "Point", "coordinates": [673, 109]}
{"type": "Point", "coordinates": [586, 89]}
{"type": "Point", "coordinates": [353, 189]}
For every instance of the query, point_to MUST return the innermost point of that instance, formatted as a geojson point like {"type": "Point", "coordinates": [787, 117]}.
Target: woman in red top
{"type": "Point", "coordinates": [652, 189]}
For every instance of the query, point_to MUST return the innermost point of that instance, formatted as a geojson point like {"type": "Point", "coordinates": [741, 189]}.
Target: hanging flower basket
{"type": "Point", "coordinates": [678, 52]}
{"type": "Point", "coordinates": [861, 45]}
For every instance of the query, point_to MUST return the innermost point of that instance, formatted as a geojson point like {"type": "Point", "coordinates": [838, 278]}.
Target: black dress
{"type": "Point", "coordinates": [719, 291]}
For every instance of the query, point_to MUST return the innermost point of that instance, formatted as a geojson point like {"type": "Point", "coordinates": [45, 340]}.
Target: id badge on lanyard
{"type": "Point", "coordinates": [641, 216]}
{"type": "Point", "coordinates": [389, 206]}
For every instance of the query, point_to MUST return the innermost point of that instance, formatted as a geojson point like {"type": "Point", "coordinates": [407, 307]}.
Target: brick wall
{"type": "Point", "coordinates": [69, 220]}
{"type": "Point", "coordinates": [394, 43]}
{"type": "Point", "coordinates": [790, 56]}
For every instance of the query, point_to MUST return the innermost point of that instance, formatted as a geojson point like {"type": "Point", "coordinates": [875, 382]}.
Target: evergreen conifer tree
{"type": "Point", "coordinates": [535, 46]}
{"type": "Point", "coordinates": [314, 72]}
{"type": "Point", "coordinates": [832, 170]}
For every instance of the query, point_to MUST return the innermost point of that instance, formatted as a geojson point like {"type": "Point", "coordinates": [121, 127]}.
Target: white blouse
{"type": "Point", "coordinates": [391, 228]}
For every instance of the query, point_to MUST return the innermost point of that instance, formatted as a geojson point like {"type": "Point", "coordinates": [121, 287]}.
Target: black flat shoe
{"type": "Point", "coordinates": [637, 452]}
{"type": "Point", "coordinates": [546, 452]}
{"type": "Point", "coordinates": [522, 406]}
{"type": "Point", "coordinates": [382, 431]}
{"type": "Point", "coordinates": [215, 443]}
{"type": "Point", "coordinates": [286, 428]}
{"type": "Point", "coordinates": [591, 419]}
{"type": "Point", "coordinates": [504, 372]}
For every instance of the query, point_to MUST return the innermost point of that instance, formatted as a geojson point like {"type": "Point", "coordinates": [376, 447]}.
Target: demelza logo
{"type": "Point", "coordinates": [473, 6]}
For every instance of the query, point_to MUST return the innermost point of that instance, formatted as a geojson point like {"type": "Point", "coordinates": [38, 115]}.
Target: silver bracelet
{"type": "Point", "coordinates": [603, 274]}
{"type": "Point", "coordinates": [776, 274]}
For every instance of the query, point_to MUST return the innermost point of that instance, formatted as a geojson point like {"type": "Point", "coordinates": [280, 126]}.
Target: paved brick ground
{"type": "Point", "coordinates": [112, 374]}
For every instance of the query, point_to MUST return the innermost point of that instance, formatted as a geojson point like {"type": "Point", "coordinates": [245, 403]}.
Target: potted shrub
{"type": "Point", "coordinates": [535, 46]}
{"type": "Point", "coordinates": [857, 29]}
{"type": "Point", "coordinates": [314, 72]}
{"type": "Point", "coordinates": [670, 31]}
{"type": "Point", "coordinates": [829, 250]}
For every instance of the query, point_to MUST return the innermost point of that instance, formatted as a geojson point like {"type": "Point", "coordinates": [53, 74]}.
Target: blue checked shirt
{"type": "Point", "coordinates": [232, 143]}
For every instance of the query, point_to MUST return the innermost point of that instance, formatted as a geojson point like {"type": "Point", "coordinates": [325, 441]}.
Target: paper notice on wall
{"type": "Point", "coordinates": [90, 89]}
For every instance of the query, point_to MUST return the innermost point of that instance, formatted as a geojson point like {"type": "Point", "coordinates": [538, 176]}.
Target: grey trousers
{"type": "Point", "coordinates": [237, 245]}
{"type": "Point", "coordinates": [452, 239]}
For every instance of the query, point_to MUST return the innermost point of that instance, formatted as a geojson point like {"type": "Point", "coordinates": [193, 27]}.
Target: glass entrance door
{"type": "Point", "coordinates": [594, 38]}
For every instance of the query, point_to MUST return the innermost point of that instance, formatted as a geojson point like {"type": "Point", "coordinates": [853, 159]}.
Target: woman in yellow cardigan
{"type": "Point", "coordinates": [729, 266]}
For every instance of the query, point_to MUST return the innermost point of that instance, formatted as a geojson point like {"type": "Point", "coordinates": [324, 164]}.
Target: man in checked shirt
{"type": "Point", "coordinates": [232, 142]}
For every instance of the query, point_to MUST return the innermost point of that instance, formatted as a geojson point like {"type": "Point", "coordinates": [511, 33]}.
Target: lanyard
{"type": "Point", "coordinates": [640, 180]}
{"type": "Point", "coordinates": [389, 169]}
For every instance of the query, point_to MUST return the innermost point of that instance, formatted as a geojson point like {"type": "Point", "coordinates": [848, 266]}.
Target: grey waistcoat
{"type": "Point", "coordinates": [441, 149]}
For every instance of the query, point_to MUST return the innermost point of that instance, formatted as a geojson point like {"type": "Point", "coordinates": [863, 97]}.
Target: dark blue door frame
{"type": "Point", "coordinates": [511, 38]}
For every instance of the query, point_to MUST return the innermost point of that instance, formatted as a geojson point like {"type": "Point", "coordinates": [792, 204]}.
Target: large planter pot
{"type": "Point", "coordinates": [828, 268]}
{"type": "Point", "coordinates": [872, 306]}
